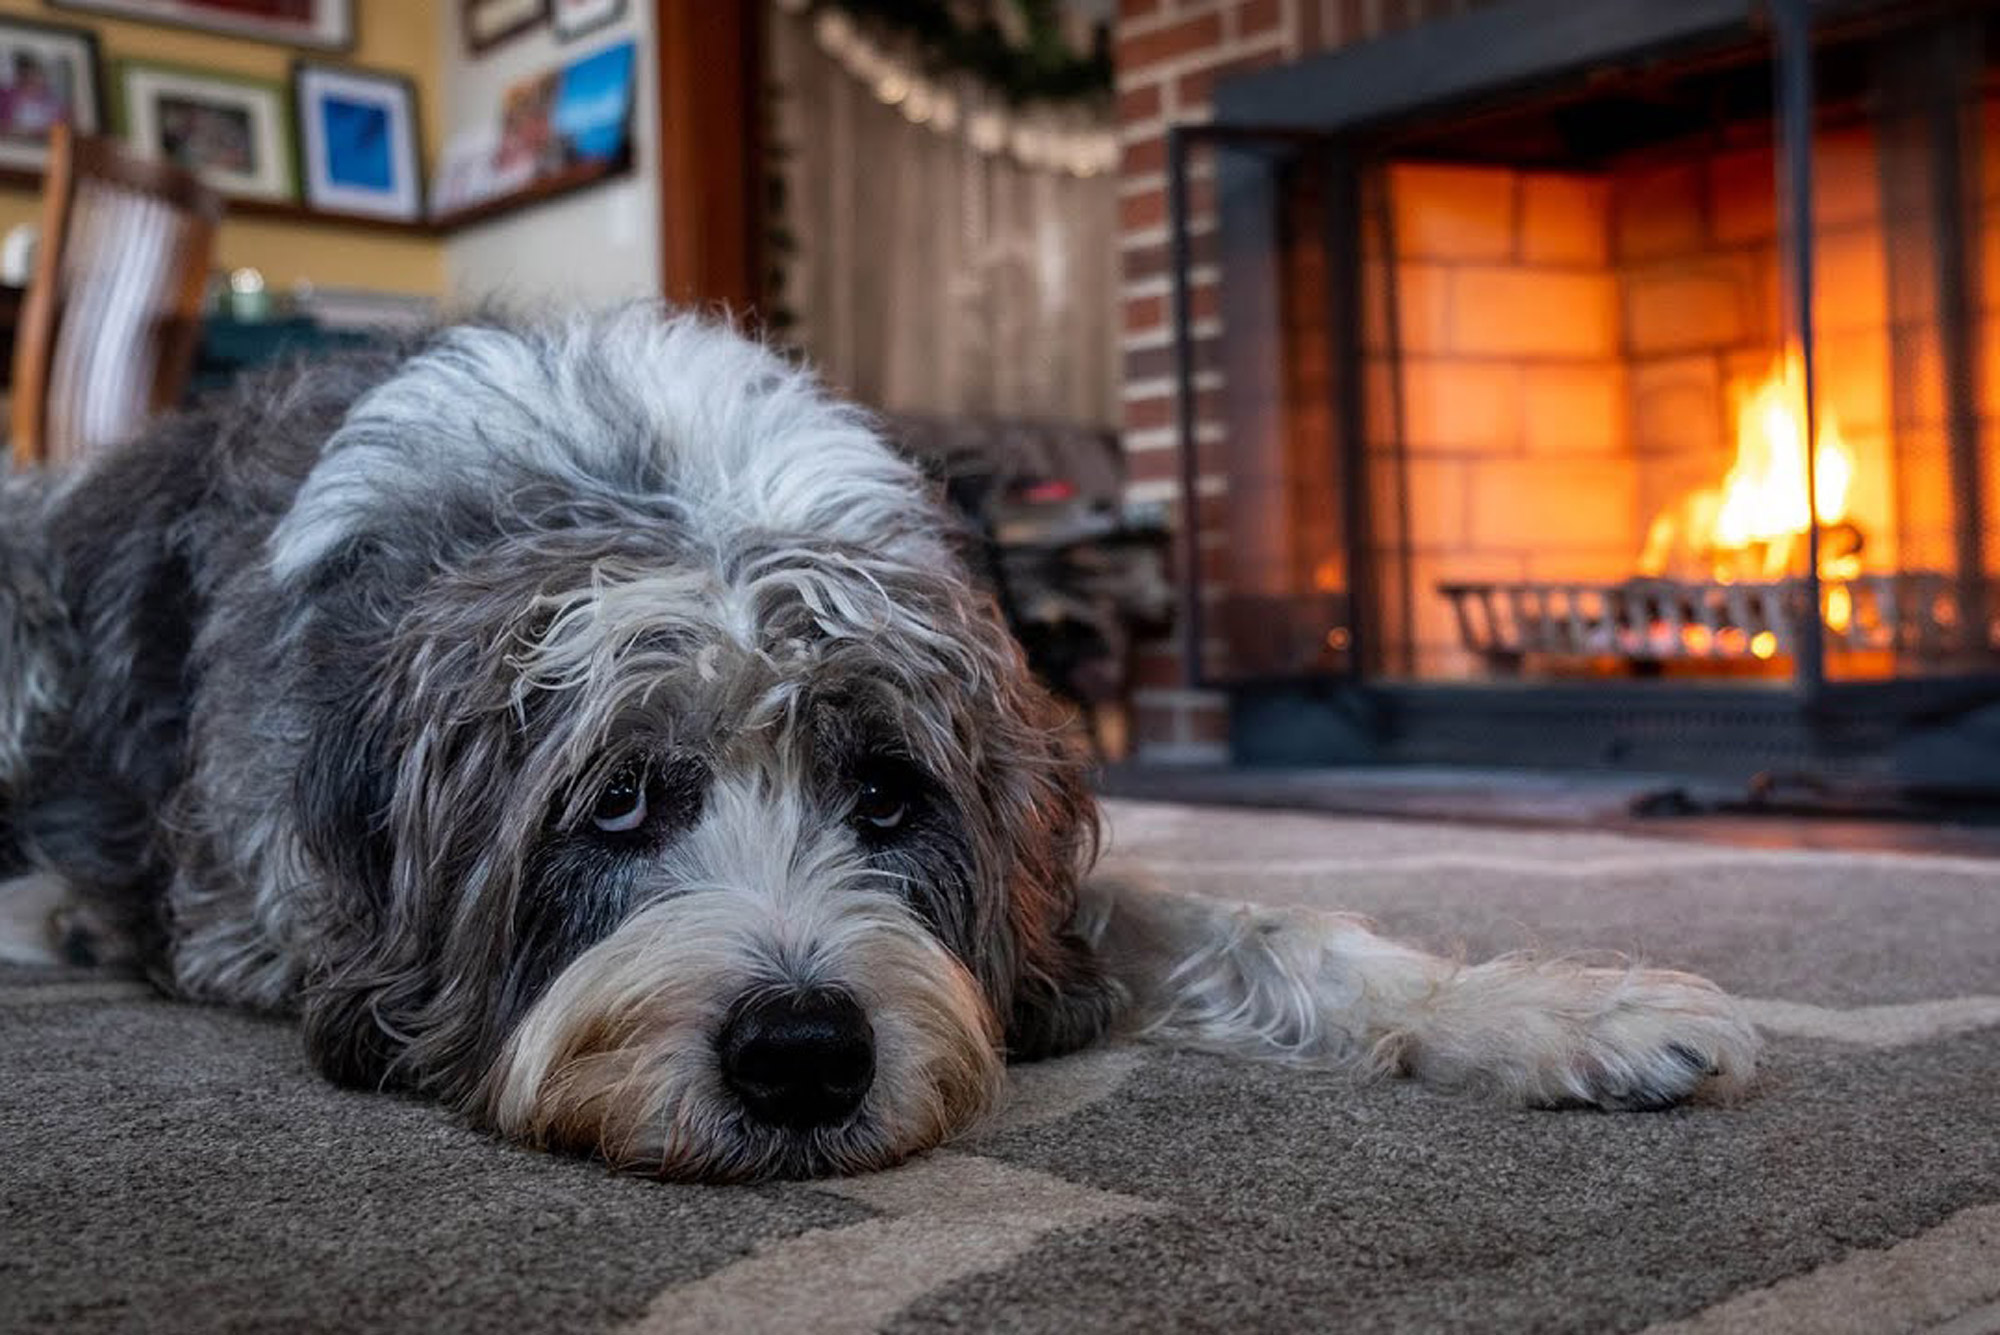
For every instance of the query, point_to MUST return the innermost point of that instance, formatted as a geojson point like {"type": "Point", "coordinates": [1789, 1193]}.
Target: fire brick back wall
{"type": "Point", "coordinates": [1517, 457]}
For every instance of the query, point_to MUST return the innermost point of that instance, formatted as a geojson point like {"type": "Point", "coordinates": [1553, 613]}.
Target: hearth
{"type": "Point", "coordinates": [1603, 383]}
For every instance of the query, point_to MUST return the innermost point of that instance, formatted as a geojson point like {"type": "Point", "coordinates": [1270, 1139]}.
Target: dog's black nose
{"type": "Point", "coordinates": [799, 1059]}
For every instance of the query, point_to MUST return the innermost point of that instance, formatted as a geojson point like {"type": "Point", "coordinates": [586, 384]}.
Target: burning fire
{"type": "Point", "coordinates": [1753, 527]}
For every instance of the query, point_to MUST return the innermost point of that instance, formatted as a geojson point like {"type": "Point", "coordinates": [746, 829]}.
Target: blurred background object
{"type": "Point", "coordinates": [1080, 575]}
{"type": "Point", "coordinates": [107, 333]}
{"type": "Point", "coordinates": [944, 203]}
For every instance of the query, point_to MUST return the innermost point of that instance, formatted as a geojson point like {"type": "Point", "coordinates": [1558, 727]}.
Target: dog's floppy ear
{"type": "Point", "coordinates": [1062, 998]}
{"type": "Point", "coordinates": [340, 800]}
{"type": "Point", "coordinates": [348, 1018]}
{"type": "Point", "coordinates": [359, 992]}
{"type": "Point", "coordinates": [404, 812]}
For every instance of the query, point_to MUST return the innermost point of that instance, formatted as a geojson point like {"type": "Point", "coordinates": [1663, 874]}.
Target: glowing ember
{"type": "Point", "coordinates": [1753, 526]}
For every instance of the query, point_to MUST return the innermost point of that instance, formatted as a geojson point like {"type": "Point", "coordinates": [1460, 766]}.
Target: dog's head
{"type": "Point", "coordinates": [677, 797]}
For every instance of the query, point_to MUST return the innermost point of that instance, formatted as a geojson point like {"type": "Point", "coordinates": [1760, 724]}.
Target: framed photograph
{"type": "Point", "coordinates": [488, 23]}
{"type": "Point", "coordinates": [592, 115]}
{"type": "Point", "coordinates": [49, 74]}
{"type": "Point", "coordinates": [326, 25]}
{"type": "Point", "coordinates": [233, 132]}
{"type": "Point", "coordinates": [358, 140]}
{"type": "Point", "coordinates": [528, 143]}
{"type": "Point", "coordinates": [580, 18]}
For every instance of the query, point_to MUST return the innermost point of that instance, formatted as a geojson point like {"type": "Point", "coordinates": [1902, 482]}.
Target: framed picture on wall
{"type": "Point", "coordinates": [580, 18]}
{"type": "Point", "coordinates": [323, 24]}
{"type": "Point", "coordinates": [49, 73]}
{"type": "Point", "coordinates": [233, 132]}
{"type": "Point", "coordinates": [358, 140]}
{"type": "Point", "coordinates": [488, 23]}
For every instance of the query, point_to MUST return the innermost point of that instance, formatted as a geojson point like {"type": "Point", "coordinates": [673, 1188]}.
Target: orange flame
{"type": "Point", "coordinates": [1754, 525]}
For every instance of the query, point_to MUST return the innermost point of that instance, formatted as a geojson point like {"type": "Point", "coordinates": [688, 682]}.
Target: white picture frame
{"type": "Point", "coordinates": [580, 18]}
{"type": "Point", "coordinates": [62, 63]}
{"type": "Point", "coordinates": [234, 133]}
{"type": "Point", "coordinates": [358, 141]}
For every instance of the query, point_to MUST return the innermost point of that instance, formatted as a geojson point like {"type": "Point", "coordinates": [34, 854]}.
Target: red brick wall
{"type": "Point", "coordinates": [1169, 55]}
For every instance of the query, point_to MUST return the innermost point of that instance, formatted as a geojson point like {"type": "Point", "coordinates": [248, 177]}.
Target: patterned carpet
{"type": "Point", "coordinates": [173, 1168]}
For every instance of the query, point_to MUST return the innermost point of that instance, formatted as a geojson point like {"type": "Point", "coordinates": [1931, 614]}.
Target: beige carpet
{"type": "Point", "coordinates": [164, 1167]}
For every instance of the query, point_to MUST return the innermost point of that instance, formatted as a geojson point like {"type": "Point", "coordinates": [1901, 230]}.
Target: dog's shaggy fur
{"type": "Point", "coordinates": [591, 727]}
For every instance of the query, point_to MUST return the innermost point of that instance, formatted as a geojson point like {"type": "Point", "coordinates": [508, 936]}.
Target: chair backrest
{"type": "Point", "coordinates": [112, 314]}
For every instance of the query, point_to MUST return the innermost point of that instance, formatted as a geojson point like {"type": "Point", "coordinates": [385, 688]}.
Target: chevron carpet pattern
{"type": "Point", "coordinates": [165, 1167]}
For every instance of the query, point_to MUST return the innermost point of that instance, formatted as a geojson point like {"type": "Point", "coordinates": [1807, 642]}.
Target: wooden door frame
{"type": "Point", "coordinates": [710, 63]}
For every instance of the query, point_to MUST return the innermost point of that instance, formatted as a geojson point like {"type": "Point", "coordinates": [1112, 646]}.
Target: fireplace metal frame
{"type": "Point", "coordinates": [1938, 732]}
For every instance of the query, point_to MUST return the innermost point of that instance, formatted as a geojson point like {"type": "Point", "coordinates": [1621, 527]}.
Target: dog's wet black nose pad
{"type": "Point", "coordinates": [799, 1059]}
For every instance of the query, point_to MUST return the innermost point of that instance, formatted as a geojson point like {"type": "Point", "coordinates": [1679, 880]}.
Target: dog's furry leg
{"type": "Point", "coordinates": [33, 667]}
{"type": "Point", "coordinates": [29, 909]}
{"type": "Point", "coordinates": [33, 632]}
{"type": "Point", "coordinates": [1296, 985]}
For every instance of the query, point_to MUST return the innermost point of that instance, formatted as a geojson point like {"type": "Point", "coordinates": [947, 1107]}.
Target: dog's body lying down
{"type": "Point", "coordinates": [591, 728]}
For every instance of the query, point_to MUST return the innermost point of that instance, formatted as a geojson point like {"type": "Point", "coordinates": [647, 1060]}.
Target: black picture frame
{"type": "Point", "coordinates": [489, 24]}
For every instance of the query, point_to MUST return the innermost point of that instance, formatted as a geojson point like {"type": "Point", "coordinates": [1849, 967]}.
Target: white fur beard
{"type": "Point", "coordinates": [619, 1057]}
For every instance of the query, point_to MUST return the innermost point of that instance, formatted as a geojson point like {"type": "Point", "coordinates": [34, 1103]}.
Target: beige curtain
{"type": "Point", "coordinates": [932, 277]}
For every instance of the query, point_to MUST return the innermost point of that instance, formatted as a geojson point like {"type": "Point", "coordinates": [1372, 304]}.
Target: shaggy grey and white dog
{"type": "Point", "coordinates": [592, 728]}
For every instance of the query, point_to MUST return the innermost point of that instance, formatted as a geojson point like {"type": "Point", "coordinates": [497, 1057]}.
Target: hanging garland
{"type": "Point", "coordinates": [1003, 75]}
{"type": "Point", "coordinates": [1019, 49]}
{"type": "Point", "coordinates": [994, 83]}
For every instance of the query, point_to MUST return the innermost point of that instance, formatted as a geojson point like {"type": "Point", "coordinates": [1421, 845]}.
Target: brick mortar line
{"type": "Point", "coordinates": [1165, 71]}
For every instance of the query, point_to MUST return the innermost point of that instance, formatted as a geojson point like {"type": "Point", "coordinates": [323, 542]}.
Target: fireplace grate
{"type": "Point", "coordinates": [1657, 620]}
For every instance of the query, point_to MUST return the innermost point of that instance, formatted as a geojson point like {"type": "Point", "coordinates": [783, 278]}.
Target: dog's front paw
{"type": "Point", "coordinates": [1650, 1040]}
{"type": "Point", "coordinates": [1553, 1034]}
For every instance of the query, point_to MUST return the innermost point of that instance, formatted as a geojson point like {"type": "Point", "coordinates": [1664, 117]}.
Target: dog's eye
{"type": "Point", "coordinates": [885, 796]}
{"type": "Point", "coordinates": [880, 806]}
{"type": "Point", "coordinates": [621, 806]}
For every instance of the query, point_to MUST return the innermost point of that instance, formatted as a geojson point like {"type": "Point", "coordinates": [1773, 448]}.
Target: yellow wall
{"type": "Point", "coordinates": [400, 36]}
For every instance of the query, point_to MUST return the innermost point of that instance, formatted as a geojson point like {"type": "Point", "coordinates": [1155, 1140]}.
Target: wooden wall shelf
{"type": "Point", "coordinates": [562, 183]}
{"type": "Point", "coordinates": [549, 188]}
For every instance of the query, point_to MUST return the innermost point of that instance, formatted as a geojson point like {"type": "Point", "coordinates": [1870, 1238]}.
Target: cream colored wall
{"type": "Point", "coordinates": [399, 36]}
{"type": "Point", "coordinates": [596, 247]}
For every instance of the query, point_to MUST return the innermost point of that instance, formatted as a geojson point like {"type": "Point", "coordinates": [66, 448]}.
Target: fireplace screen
{"type": "Point", "coordinates": [1682, 366]}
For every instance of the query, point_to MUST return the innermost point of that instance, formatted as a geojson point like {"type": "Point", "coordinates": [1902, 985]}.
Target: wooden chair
{"type": "Point", "coordinates": [113, 312]}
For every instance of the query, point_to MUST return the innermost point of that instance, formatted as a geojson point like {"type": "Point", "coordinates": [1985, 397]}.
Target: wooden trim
{"type": "Point", "coordinates": [710, 62]}
{"type": "Point", "coordinates": [555, 186]}
{"type": "Point", "coordinates": [181, 338]}
{"type": "Point", "coordinates": [550, 187]}
{"type": "Point", "coordinates": [34, 338]}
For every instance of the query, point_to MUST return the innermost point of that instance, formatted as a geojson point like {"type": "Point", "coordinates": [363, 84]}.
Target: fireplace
{"type": "Point", "coordinates": [1603, 383]}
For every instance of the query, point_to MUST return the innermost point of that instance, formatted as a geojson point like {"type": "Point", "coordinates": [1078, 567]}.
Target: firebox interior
{"type": "Point", "coordinates": [1606, 400]}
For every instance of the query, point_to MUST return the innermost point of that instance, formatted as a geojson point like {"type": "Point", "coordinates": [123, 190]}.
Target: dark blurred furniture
{"type": "Point", "coordinates": [228, 347]}
{"type": "Point", "coordinates": [11, 299]}
{"type": "Point", "coordinates": [107, 332]}
{"type": "Point", "coordinates": [1080, 575]}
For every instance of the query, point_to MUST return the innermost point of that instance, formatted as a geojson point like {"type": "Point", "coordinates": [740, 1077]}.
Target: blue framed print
{"type": "Point", "coordinates": [358, 141]}
{"type": "Point", "coordinates": [593, 106]}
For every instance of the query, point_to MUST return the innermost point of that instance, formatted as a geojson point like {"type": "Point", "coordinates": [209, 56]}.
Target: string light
{"type": "Point", "coordinates": [1077, 143]}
